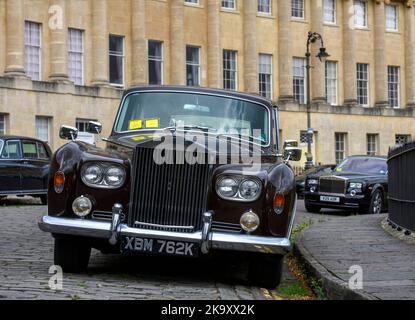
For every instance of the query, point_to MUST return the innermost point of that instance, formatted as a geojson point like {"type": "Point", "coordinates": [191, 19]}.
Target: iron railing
{"type": "Point", "coordinates": [401, 167]}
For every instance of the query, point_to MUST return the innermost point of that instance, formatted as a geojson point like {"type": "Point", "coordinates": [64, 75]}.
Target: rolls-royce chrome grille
{"type": "Point", "coordinates": [170, 197]}
{"type": "Point", "coordinates": [332, 185]}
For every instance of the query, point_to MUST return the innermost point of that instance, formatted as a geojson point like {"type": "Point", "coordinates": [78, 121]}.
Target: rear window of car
{"type": "Point", "coordinates": [29, 150]}
{"type": "Point", "coordinates": [11, 150]}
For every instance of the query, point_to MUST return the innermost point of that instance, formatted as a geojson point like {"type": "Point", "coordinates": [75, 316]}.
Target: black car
{"type": "Point", "coordinates": [24, 167]}
{"type": "Point", "coordinates": [301, 178]}
{"type": "Point", "coordinates": [359, 184]}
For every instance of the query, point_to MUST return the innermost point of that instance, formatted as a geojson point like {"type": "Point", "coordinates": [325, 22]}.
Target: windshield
{"type": "Point", "coordinates": [213, 114]}
{"type": "Point", "coordinates": [364, 165]}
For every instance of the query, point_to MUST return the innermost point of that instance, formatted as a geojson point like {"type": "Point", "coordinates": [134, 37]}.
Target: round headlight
{"type": "Point", "coordinates": [93, 174]}
{"type": "Point", "coordinates": [82, 206]}
{"type": "Point", "coordinates": [249, 221]}
{"type": "Point", "coordinates": [227, 187]}
{"type": "Point", "coordinates": [249, 189]}
{"type": "Point", "coordinates": [114, 176]}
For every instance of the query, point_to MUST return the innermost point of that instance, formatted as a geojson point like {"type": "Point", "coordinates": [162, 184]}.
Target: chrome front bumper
{"type": "Point", "coordinates": [208, 239]}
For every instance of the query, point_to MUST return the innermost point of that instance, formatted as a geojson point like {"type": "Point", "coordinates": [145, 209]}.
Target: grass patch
{"type": "Point", "coordinates": [296, 291]}
{"type": "Point", "coordinates": [75, 296]}
{"type": "Point", "coordinates": [300, 228]}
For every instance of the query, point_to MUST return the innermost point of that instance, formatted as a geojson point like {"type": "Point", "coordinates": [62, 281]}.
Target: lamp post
{"type": "Point", "coordinates": [322, 55]}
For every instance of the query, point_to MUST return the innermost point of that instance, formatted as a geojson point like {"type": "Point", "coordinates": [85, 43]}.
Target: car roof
{"type": "Point", "coordinates": [366, 156]}
{"type": "Point", "coordinates": [14, 137]}
{"type": "Point", "coordinates": [203, 90]}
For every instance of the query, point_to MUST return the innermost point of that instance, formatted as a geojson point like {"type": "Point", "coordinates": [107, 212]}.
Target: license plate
{"type": "Point", "coordinates": [168, 247]}
{"type": "Point", "coordinates": [330, 199]}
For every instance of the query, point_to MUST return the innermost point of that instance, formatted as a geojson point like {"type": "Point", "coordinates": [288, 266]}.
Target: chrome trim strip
{"type": "Point", "coordinates": [138, 223]}
{"type": "Point", "coordinates": [217, 240]}
{"type": "Point", "coordinates": [293, 215]}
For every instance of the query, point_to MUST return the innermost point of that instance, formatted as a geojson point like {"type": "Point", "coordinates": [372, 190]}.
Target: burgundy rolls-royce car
{"type": "Point", "coordinates": [185, 171]}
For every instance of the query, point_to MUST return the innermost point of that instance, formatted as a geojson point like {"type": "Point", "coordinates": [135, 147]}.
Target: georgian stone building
{"type": "Point", "coordinates": [67, 61]}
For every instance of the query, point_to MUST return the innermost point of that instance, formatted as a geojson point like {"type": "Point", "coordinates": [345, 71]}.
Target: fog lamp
{"type": "Point", "coordinates": [82, 206]}
{"type": "Point", "coordinates": [249, 221]}
{"type": "Point", "coordinates": [353, 193]}
{"type": "Point", "coordinates": [313, 189]}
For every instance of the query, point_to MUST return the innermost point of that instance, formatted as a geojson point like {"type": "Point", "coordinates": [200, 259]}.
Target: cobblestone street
{"type": "Point", "coordinates": [26, 254]}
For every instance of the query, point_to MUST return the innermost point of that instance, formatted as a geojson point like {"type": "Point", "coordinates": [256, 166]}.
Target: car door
{"type": "Point", "coordinates": [10, 171]}
{"type": "Point", "coordinates": [32, 168]}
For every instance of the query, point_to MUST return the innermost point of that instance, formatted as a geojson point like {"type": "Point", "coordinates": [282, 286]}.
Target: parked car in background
{"type": "Point", "coordinates": [300, 179]}
{"type": "Point", "coordinates": [359, 184]}
{"type": "Point", "coordinates": [24, 167]}
{"type": "Point", "coordinates": [139, 194]}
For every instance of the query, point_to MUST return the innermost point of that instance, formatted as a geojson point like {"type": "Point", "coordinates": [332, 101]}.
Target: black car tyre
{"type": "Point", "coordinates": [71, 254]}
{"type": "Point", "coordinates": [312, 208]}
{"type": "Point", "coordinates": [265, 271]}
{"type": "Point", "coordinates": [376, 202]}
{"type": "Point", "coordinates": [44, 199]}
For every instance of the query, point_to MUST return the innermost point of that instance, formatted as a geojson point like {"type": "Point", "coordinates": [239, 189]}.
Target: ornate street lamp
{"type": "Point", "coordinates": [322, 56]}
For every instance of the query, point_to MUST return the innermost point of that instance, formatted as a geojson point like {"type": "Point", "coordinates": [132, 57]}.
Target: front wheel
{"type": "Point", "coordinates": [71, 254]}
{"type": "Point", "coordinates": [265, 271]}
{"type": "Point", "coordinates": [376, 203]}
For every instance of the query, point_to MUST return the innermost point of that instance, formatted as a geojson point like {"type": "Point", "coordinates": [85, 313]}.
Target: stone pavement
{"type": "Point", "coordinates": [332, 247]}
{"type": "Point", "coordinates": [26, 254]}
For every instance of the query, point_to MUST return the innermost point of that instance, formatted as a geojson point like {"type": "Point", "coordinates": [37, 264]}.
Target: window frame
{"type": "Point", "coordinates": [396, 28]}
{"type": "Point", "coordinates": [82, 53]}
{"type": "Point", "coordinates": [233, 8]}
{"type": "Point", "coordinates": [374, 143]}
{"type": "Point", "coordinates": [48, 127]}
{"type": "Point", "coordinates": [161, 60]}
{"type": "Point", "coordinates": [198, 65]}
{"type": "Point", "coordinates": [269, 5]}
{"type": "Point", "coordinates": [337, 151]}
{"type": "Point", "coordinates": [39, 47]}
{"type": "Point", "coordinates": [304, 78]}
{"type": "Point", "coordinates": [4, 121]}
{"type": "Point", "coordinates": [334, 9]}
{"type": "Point", "coordinates": [117, 55]}
{"type": "Point", "coordinates": [302, 11]}
{"type": "Point", "coordinates": [234, 72]}
{"type": "Point", "coordinates": [270, 75]}
{"type": "Point", "coordinates": [5, 144]}
{"type": "Point", "coordinates": [367, 81]}
{"type": "Point", "coordinates": [336, 79]}
{"type": "Point", "coordinates": [398, 87]}
{"type": "Point", "coordinates": [366, 16]}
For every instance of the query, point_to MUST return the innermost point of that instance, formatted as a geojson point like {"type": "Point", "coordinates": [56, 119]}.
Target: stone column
{"type": "Point", "coordinates": [285, 53]}
{"type": "Point", "coordinates": [349, 55]}
{"type": "Point", "coordinates": [410, 53]}
{"type": "Point", "coordinates": [318, 87]}
{"type": "Point", "coordinates": [139, 61]}
{"type": "Point", "coordinates": [15, 60]}
{"type": "Point", "coordinates": [213, 47]}
{"type": "Point", "coordinates": [250, 47]}
{"type": "Point", "coordinates": [177, 45]}
{"type": "Point", "coordinates": [100, 43]}
{"type": "Point", "coordinates": [381, 67]}
{"type": "Point", "coordinates": [58, 42]}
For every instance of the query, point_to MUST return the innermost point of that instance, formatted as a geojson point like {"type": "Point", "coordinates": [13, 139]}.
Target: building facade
{"type": "Point", "coordinates": [67, 62]}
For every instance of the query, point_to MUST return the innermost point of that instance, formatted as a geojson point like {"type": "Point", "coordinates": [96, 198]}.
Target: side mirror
{"type": "Point", "coordinates": [68, 133]}
{"type": "Point", "coordinates": [292, 154]}
{"type": "Point", "coordinates": [290, 143]}
{"type": "Point", "coordinates": [94, 127]}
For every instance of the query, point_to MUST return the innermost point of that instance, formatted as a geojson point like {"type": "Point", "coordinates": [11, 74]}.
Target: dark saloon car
{"type": "Point", "coordinates": [24, 167]}
{"type": "Point", "coordinates": [359, 184]}
{"type": "Point", "coordinates": [185, 172]}
{"type": "Point", "coordinates": [301, 178]}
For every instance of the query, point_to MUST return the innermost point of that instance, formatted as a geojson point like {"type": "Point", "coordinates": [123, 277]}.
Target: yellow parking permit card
{"type": "Point", "coordinates": [152, 123]}
{"type": "Point", "coordinates": [140, 138]}
{"type": "Point", "coordinates": [136, 124]}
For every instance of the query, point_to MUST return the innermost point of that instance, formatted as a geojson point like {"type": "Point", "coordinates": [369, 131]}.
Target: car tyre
{"type": "Point", "coordinates": [312, 208]}
{"type": "Point", "coordinates": [71, 254]}
{"type": "Point", "coordinates": [44, 199]}
{"type": "Point", "coordinates": [376, 202]}
{"type": "Point", "coordinates": [265, 271]}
